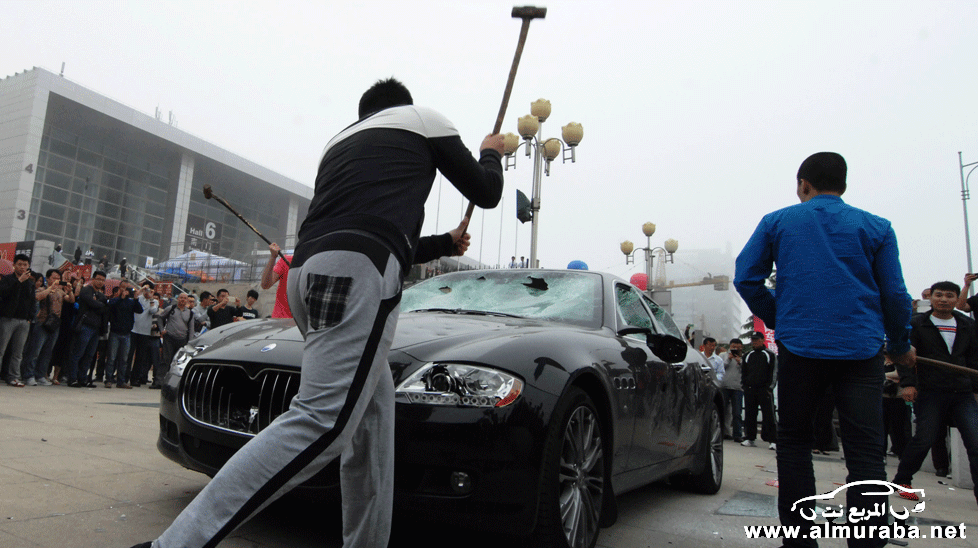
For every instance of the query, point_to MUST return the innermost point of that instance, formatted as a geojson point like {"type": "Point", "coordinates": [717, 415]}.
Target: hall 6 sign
{"type": "Point", "coordinates": [203, 235]}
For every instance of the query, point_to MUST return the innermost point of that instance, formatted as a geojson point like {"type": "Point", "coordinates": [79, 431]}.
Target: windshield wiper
{"type": "Point", "coordinates": [488, 313]}
{"type": "Point", "coordinates": [470, 312]}
{"type": "Point", "coordinates": [446, 310]}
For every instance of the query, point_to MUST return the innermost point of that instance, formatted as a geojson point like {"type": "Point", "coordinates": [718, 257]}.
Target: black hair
{"type": "Point", "coordinates": [735, 341]}
{"type": "Point", "coordinates": [205, 295]}
{"type": "Point", "coordinates": [946, 286]}
{"type": "Point", "coordinates": [826, 171]}
{"type": "Point", "coordinates": [384, 94]}
{"type": "Point", "coordinates": [252, 293]}
{"type": "Point", "coordinates": [708, 340]}
{"type": "Point", "coordinates": [149, 283]}
{"type": "Point", "coordinates": [98, 273]}
{"type": "Point", "coordinates": [52, 271]}
{"type": "Point", "coordinates": [22, 257]}
{"type": "Point", "coordinates": [222, 290]}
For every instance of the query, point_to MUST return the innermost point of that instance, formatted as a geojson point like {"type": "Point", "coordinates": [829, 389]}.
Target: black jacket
{"type": "Point", "coordinates": [759, 370]}
{"type": "Point", "coordinates": [17, 298]}
{"type": "Point", "coordinates": [376, 175]}
{"type": "Point", "coordinates": [92, 307]}
{"type": "Point", "coordinates": [927, 339]}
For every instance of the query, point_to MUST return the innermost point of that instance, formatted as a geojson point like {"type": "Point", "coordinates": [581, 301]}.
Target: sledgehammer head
{"type": "Point", "coordinates": [207, 192]}
{"type": "Point", "coordinates": [529, 12]}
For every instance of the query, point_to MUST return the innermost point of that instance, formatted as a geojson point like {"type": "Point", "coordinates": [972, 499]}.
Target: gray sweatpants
{"type": "Point", "coordinates": [345, 302]}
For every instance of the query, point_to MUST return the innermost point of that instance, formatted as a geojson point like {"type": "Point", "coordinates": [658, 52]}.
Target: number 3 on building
{"type": "Point", "coordinates": [21, 214]}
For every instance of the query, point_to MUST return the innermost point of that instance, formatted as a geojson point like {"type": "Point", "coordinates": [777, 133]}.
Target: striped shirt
{"type": "Point", "coordinates": [948, 329]}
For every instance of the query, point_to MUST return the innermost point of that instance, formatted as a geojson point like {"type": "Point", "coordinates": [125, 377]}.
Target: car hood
{"type": "Point", "coordinates": [432, 336]}
{"type": "Point", "coordinates": [422, 336]}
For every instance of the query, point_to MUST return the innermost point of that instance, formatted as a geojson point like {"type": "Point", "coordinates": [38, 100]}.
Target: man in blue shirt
{"type": "Point", "coordinates": [839, 291]}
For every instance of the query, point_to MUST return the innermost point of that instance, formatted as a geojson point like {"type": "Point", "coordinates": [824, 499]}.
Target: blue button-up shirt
{"type": "Point", "coordinates": [839, 283]}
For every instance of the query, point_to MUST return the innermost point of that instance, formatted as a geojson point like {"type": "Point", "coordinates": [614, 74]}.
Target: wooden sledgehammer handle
{"type": "Point", "coordinates": [948, 366]}
{"type": "Point", "coordinates": [526, 13]}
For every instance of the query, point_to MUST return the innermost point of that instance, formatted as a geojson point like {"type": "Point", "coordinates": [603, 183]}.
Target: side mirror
{"type": "Point", "coordinates": [665, 347]}
{"type": "Point", "coordinates": [668, 348]}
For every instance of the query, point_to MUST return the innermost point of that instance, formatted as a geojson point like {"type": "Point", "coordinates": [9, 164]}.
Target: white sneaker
{"type": "Point", "coordinates": [772, 447]}
{"type": "Point", "coordinates": [748, 443]}
{"type": "Point", "coordinates": [43, 381]}
{"type": "Point", "coordinates": [31, 382]}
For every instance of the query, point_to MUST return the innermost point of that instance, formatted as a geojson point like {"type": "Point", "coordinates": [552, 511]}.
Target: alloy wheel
{"type": "Point", "coordinates": [581, 478]}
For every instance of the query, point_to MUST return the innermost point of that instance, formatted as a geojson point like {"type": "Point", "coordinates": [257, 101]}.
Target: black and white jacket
{"type": "Point", "coordinates": [376, 175]}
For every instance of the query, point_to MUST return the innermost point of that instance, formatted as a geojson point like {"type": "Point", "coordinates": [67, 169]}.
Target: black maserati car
{"type": "Point", "coordinates": [525, 401]}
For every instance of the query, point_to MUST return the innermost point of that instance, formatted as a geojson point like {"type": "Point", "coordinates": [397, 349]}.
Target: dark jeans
{"type": "Point", "coordinates": [147, 357]}
{"type": "Point", "coordinates": [755, 398]}
{"type": "Point", "coordinates": [735, 398]}
{"type": "Point", "coordinates": [939, 454]}
{"type": "Point", "coordinates": [115, 367]}
{"type": "Point", "coordinates": [41, 343]}
{"type": "Point", "coordinates": [932, 409]}
{"type": "Point", "coordinates": [825, 438]}
{"type": "Point", "coordinates": [83, 345]}
{"type": "Point", "coordinates": [857, 386]}
{"type": "Point", "coordinates": [170, 347]}
{"type": "Point", "coordinates": [896, 417]}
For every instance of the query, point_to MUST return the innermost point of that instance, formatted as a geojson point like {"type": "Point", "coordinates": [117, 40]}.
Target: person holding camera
{"type": "Point", "coordinates": [122, 312]}
{"type": "Point", "coordinates": [733, 394]}
{"type": "Point", "coordinates": [92, 305]}
{"type": "Point", "coordinates": [16, 309]}
{"type": "Point", "coordinates": [46, 329]}
{"type": "Point", "coordinates": [147, 343]}
{"type": "Point", "coordinates": [248, 311]}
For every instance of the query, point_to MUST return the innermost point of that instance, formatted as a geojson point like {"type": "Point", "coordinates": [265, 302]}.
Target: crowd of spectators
{"type": "Point", "coordinates": [61, 329]}
{"type": "Point", "coordinates": [938, 398]}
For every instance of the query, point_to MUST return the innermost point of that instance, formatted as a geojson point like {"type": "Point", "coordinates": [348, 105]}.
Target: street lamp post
{"type": "Point", "coordinates": [530, 127]}
{"type": "Point", "coordinates": [666, 254]}
{"type": "Point", "coordinates": [965, 195]}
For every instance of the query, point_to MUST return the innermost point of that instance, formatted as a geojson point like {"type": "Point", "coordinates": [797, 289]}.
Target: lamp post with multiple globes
{"type": "Point", "coordinates": [665, 254]}
{"type": "Point", "coordinates": [530, 127]}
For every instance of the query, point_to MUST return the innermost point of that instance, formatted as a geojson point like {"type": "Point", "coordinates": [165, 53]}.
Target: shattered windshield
{"type": "Point", "coordinates": [570, 297]}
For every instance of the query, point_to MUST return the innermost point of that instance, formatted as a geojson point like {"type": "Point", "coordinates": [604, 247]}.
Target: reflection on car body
{"type": "Point", "coordinates": [525, 400]}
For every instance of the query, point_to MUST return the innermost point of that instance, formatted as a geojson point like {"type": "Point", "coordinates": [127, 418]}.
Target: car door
{"type": "Point", "coordinates": [655, 431]}
{"type": "Point", "coordinates": [690, 389]}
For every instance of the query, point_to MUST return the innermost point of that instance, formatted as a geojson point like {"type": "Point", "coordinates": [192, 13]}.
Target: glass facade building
{"type": "Point", "coordinates": [82, 170]}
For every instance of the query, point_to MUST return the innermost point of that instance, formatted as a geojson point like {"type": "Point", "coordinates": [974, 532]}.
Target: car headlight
{"type": "Point", "coordinates": [460, 385]}
{"type": "Point", "coordinates": [183, 357]}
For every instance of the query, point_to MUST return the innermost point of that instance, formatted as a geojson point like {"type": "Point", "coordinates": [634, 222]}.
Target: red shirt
{"type": "Point", "coordinates": [282, 309]}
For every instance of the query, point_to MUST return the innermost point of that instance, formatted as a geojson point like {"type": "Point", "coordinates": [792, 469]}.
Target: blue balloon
{"type": "Point", "coordinates": [577, 265]}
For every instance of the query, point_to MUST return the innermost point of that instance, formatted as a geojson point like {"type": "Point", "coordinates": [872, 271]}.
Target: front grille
{"type": "Point", "coordinates": [224, 396]}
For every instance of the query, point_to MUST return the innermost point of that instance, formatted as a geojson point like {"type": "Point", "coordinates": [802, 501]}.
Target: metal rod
{"type": "Point", "coordinates": [948, 366]}
{"type": "Point", "coordinates": [965, 196]}
{"type": "Point", "coordinates": [535, 199]}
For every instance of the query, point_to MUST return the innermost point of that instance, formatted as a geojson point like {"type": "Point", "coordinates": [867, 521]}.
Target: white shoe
{"type": "Point", "coordinates": [31, 382]}
{"type": "Point", "coordinates": [43, 381]}
{"type": "Point", "coordinates": [748, 443]}
{"type": "Point", "coordinates": [772, 447]}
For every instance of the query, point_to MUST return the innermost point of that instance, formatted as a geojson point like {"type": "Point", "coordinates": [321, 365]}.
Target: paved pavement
{"type": "Point", "coordinates": [79, 468]}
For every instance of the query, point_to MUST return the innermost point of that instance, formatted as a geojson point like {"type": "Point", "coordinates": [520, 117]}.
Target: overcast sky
{"type": "Point", "coordinates": [696, 115]}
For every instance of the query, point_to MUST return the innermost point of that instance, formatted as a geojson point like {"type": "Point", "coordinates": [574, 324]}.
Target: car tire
{"type": "Point", "coordinates": [710, 476]}
{"type": "Point", "coordinates": [574, 476]}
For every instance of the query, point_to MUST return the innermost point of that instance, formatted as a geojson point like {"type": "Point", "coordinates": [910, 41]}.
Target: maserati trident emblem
{"type": "Point", "coordinates": [252, 415]}
{"type": "Point", "coordinates": [268, 348]}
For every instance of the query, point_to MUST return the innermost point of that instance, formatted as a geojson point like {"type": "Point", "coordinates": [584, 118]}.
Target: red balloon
{"type": "Point", "coordinates": [640, 281]}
